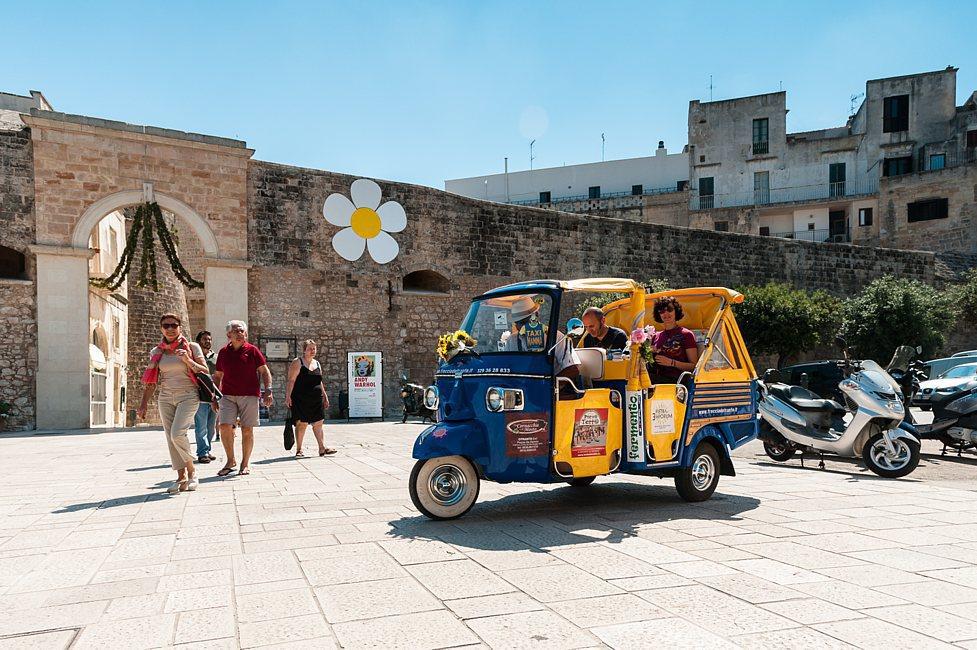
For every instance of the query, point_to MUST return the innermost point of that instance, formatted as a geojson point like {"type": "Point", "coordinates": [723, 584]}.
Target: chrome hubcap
{"type": "Point", "coordinates": [447, 485]}
{"type": "Point", "coordinates": [886, 460]}
{"type": "Point", "coordinates": [703, 470]}
{"type": "Point", "coordinates": [777, 448]}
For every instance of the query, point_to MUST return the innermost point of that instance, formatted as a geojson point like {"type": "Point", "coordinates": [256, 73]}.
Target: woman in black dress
{"type": "Point", "coordinates": [307, 398]}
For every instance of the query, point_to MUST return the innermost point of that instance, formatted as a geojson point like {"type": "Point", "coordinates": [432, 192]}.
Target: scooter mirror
{"type": "Point", "coordinates": [919, 349]}
{"type": "Point", "coordinates": [403, 375]}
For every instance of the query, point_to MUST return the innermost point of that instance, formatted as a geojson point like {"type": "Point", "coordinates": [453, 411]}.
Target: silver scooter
{"type": "Point", "coordinates": [794, 419]}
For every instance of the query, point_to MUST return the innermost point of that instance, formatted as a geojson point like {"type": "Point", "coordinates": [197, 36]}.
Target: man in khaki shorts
{"type": "Point", "coordinates": [239, 365]}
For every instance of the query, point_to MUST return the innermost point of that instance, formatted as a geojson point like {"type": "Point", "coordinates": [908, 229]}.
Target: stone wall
{"type": "Point", "coordinates": [299, 286]}
{"type": "Point", "coordinates": [670, 208]}
{"type": "Point", "coordinates": [18, 313]}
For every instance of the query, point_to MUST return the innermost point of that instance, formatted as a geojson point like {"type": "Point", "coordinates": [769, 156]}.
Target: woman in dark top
{"type": "Point", "coordinates": [674, 345]}
{"type": "Point", "coordinates": [307, 398]}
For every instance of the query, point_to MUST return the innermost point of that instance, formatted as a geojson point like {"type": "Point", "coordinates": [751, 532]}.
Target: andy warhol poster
{"type": "Point", "coordinates": [364, 372]}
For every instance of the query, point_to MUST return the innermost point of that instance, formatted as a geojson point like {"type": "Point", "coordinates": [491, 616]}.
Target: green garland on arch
{"type": "Point", "coordinates": [148, 218]}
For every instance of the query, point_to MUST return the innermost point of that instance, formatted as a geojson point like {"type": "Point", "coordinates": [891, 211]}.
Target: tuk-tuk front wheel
{"type": "Point", "coordinates": [445, 487]}
{"type": "Point", "coordinates": [699, 479]}
{"type": "Point", "coordinates": [581, 482]}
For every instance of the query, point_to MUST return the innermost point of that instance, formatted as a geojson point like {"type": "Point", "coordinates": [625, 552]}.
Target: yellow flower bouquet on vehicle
{"type": "Point", "coordinates": [452, 343]}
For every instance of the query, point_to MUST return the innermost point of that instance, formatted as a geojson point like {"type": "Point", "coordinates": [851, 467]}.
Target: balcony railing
{"type": "Point", "coordinates": [821, 235]}
{"type": "Point", "coordinates": [793, 194]}
{"type": "Point", "coordinates": [761, 147]}
{"type": "Point", "coordinates": [648, 191]}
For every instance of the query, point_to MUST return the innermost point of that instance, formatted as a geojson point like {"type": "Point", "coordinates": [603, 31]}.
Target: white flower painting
{"type": "Point", "coordinates": [365, 223]}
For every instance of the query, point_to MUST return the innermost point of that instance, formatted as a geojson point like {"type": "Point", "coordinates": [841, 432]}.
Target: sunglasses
{"type": "Point", "coordinates": [170, 326]}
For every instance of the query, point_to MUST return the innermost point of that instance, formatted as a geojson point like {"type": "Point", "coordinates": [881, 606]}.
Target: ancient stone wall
{"type": "Point", "coordinates": [300, 287]}
{"type": "Point", "coordinates": [18, 313]}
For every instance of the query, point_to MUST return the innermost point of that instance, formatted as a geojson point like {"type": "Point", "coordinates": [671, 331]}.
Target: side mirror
{"type": "Point", "coordinates": [919, 349]}
{"type": "Point", "coordinates": [403, 375]}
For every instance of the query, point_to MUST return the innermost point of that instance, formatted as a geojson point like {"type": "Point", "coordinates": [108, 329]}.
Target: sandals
{"type": "Point", "coordinates": [244, 471]}
{"type": "Point", "coordinates": [328, 451]}
{"type": "Point", "coordinates": [225, 471]}
{"type": "Point", "coordinates": [176, 487]}
{"type": "Point", "coordinates": [299, 454]}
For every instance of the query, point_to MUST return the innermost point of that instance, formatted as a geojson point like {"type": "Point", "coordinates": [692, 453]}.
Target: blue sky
{"type": "Point", "coordinates": [424, 91]}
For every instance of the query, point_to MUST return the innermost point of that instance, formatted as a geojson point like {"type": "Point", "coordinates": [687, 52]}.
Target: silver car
{"type": "Point", "coordinates": [933, 391]}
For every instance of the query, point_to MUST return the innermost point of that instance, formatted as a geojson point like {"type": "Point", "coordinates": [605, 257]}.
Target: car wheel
{"type": "Point", "coordinates": [581, 482]}
{"type": "Point", "coordinates": [699, 479]}
{"type": "Point", "coordinates": [887, 465]}
{"type": "Point", "coordinates": [445, 487]}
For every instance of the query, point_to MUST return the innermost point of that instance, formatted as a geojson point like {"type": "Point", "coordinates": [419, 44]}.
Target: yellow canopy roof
{"type": "Point", "coordinates": [600, 284]}
{"type": "Point", "coordinates": [729, 295]}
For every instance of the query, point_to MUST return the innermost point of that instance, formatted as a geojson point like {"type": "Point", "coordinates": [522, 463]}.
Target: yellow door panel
{"type": "Point", "coordinates": [664, 417]}
{"type": "Point", "coordinates": [588, 434]}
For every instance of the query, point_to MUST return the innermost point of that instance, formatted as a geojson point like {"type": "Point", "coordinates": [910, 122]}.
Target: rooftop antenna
{"type": "Point", "coordinates": [710, 87]}
{"type": "Point", "coordinates": [781, 85]}
{"type": "Point", "coordinates": [602, 147]}
{"type": "Point", "coordinates": [854, 98]}
{"type": "Point", "coordinates": [531, 156]}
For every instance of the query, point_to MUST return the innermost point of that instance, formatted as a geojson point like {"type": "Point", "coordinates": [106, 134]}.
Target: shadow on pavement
{"type": "Point", "coordinates": [609, 512]}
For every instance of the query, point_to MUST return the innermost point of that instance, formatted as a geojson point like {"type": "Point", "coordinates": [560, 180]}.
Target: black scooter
{"type": "Point", "coordinates": [954, 418]}
{"type": "Point", "coordinates": [412, 396]}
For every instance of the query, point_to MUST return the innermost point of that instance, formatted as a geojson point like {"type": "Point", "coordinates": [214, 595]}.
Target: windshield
{"type": "Point", "coordinates": [960, 372]}
{"type": "Point", "coordinates": [517, 323]}
{"type": "Point", "coordinates": [904, 354]}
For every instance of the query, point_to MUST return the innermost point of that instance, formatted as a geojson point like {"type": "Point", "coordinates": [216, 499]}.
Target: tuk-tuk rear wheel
{"type": "Point", "coordinates": [699, 479]}
{"type": "Point", "coordinates": [445, 487]}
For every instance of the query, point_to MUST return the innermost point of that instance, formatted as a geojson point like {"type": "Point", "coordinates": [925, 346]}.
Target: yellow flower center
{"type": "Point", "coordinates": [365, 223]}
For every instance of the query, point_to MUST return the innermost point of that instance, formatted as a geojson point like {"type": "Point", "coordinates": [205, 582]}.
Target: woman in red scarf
{"type": "Point", "coordinates": [171, 367]}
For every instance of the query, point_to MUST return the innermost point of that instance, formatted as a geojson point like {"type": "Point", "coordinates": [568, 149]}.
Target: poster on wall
{"type": "Point", "coordinates": [364, 372]}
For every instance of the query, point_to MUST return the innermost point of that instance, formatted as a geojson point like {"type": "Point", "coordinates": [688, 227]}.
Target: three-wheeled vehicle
{"type": "Point", "coordinates": [504, 415]}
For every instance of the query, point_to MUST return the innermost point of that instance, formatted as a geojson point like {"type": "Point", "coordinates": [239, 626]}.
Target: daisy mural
{"type": "Point", "coordinates": [365, 223]}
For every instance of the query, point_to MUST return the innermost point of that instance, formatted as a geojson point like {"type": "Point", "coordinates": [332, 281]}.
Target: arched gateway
{"type": "Point", "coordinates": [86, 168]}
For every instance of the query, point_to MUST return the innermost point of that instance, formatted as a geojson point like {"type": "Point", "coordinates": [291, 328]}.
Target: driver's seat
{"type": "Point", "coordinates": [804, 400]}
{"type": "Point", "coordinates": [592, 362]}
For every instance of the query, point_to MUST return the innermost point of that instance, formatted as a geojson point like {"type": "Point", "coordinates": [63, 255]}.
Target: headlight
{"type": "Point", "coordinates": [850, 384]}
{"type": "Point", "coordinates": [504, 399]}
{"type": "Point", "coordinates": [946, 390]}
{"type": "Point", "coordinates": [896, 406]}
{"type": "Point", "coordinates": [681, 394]}
{"type": "Point", "coordinates": [431, 398]}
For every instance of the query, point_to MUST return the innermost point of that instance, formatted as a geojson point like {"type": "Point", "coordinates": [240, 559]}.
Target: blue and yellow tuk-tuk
{"type": "Point", "coordinates": [504, 414]}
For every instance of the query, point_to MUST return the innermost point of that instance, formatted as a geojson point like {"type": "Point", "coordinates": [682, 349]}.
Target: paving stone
{"type": "Point", "coordinates": [502, 560]}
{"type": "Point", "coordinates": [871, 575]}
{"type": "Point", "coordinates": [459, 579]}
{"type": "Point", "coordinates": [749, 588]}
{"type": "Point", "coordinates": [562, 582]}
{"type": "Point", "coordinates": [907, 560]}
{"type": "Point", "coordinates": [965, 576]}
{"type": "Point", "coordinates": [793, 639]}
{"type": "Point", "coordinates": [252, 608]}
{"type": "Point", "coordinates": [665, 632]}
{"type": "Point", "coordinates": [265, 567]}
{"type": "Point", "coordinates": [352, 569]}
{"type": "Point", "coordinates": [421, 631]}
{"type": "Point", "coordinates": [205, 625]}
{"type": "Point", "coordinates": [409, 551]}
{"type": "Point", "coordinates": [870, 633]}
{"type": "Point", "coordinates": [134, 606]}
{"type": "Point", "coordinates": [185, 600]}
{"type": "Point", "coordinates": [49, 618]}
{"type": "Point", "coordinates": [774, 571]}
{"type": "Point", "coordinates": [714, 610]}
{"type": "Point", "coordinates": [932, 593]}
{"type": "Point", "coordinates": [147, 632]}
{"type": "Point", "coordinates": [926, 620]}
{"type": "Point", "coordinates": [494, 605]}
{"type": "Point", "coordinates": [848, 595]}
{"type": "Point", "coordinates": [531, 630]}
{"type": "Point", "coordinates": [282, 630]}
{"type": "Point", "coordinates": [43, 641]}
{"type": "Point", "coordinates": [607, 610]}
{"type": "Point", "coordinates": [368, 600]}
{"type": "Point", "coordinates": [810, 611]}
{"type": "Point", "coordinates": [604, 562]}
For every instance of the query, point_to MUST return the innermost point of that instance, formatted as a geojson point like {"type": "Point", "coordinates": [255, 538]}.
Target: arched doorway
{"type": "Point", "coordinates": [63, 310]}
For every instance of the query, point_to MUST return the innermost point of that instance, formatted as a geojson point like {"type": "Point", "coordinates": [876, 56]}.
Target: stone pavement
{"type": "Point", "coordinates": [328, 552]}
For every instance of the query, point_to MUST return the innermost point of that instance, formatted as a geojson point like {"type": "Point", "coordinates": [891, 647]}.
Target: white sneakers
{"type": "Point", "coordinates": [183, 485]}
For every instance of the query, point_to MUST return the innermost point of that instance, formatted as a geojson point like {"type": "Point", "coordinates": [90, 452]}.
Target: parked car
{"type": "Point", "coordinates": [937, 367]}
{"type": "Point", "coordinates": [965, 353]}
{"type": "Point", "coordinates": [823, 377]}
{"type": "Point", "coordinates": [934, 391]}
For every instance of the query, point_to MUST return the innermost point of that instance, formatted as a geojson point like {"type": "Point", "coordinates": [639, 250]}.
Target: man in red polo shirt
{"type": "Point", "coordinates": [239, 365]}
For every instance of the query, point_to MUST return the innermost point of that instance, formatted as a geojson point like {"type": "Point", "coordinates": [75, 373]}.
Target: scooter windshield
{"type": "Point", "coordinates": [874, 374]}
{"type": "Point", "coordinates": [901, 359]}
{"type": "Point", "coordinates": [516, 323]}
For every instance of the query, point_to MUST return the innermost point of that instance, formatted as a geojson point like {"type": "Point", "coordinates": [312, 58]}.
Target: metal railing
{"type": "Point", "coordinates": [648, 191]}
{"type": "Point", "coordinates": [761, 147]}
{"type": "Point", "coordinates": [820, 235]}
{"type": "Point", "coordinates": [793, 194]}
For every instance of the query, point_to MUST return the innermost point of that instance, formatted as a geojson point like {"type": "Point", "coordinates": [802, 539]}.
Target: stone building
{"type": "Point", "coordinates": [255, 232]}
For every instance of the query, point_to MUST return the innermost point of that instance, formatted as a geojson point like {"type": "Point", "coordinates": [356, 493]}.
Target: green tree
{"type": "Point", "coordinates": [965, 297]}
{"type": "Point", "coordinates": [654, 285]}
{"type": "Point", "coordinates": [778, 319]}
{"type": "Point", "coordinates": [891, 312]}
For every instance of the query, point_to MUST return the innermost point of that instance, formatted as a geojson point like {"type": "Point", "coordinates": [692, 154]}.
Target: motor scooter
{"type": "Point", "coordinates": [954, 417]}
{"type": "Point", "coordinates": [412, 396]}
{"type": "Point", "coordinates": [794, 419]}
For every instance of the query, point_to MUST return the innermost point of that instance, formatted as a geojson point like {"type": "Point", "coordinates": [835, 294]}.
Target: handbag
{"type": "Point", "coordinates": [207, 390]}
{"type": "Point", "coordinates": [289, 432]}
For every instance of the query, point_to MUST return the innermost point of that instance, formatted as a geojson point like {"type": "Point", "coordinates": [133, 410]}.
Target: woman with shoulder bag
{"type": "Point", "coordinates": [306, 397]}
{"type": "Point", "coordinates": [172, 368]}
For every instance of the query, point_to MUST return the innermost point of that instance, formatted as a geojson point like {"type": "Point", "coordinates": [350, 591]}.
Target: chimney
{"type": "Point", "coordinates": [661, 150]}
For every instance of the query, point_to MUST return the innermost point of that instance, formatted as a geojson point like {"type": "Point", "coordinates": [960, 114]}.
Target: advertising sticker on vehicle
{"type": "Point", "coordinates": [589, 433]}
{"type": "Point", "coordinates": [662, 416]}
{"type": "Point", "coordinates": [636, 430]}
{"type": "Point", "coordinates": [526, 434]}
